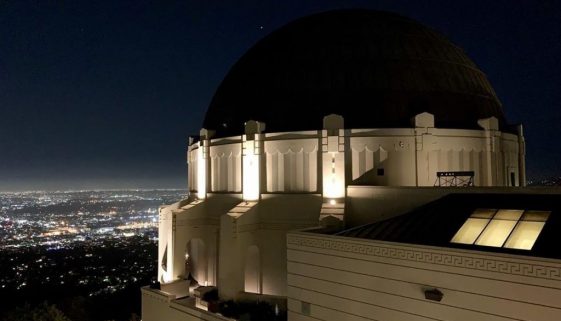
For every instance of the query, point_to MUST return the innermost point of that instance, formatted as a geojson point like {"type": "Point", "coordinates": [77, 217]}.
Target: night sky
{"type": "Point", "coordinates": [105, 94]}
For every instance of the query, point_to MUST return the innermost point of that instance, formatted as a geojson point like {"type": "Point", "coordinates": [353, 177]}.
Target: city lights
{"type": "Point", "coordinates": [70, 239]}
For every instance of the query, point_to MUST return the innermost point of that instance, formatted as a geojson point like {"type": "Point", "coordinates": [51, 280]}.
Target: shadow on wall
{"type": "Point", "coordinates": [196, 260]}
{"type": "Point", "coordinates": [252, 277]}
{"type": "Point", "coordinates": [373, 177]}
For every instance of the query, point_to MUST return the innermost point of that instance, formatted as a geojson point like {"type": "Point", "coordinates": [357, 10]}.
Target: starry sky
{"type": "Point", "coordinates": [104, 94]}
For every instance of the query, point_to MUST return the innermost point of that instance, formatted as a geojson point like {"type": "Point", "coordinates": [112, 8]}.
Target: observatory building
{"type": "Point", "coordinates": [357, 165]}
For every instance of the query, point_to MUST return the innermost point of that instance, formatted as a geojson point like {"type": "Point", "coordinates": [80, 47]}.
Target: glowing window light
{"type": "Point", "coordinates": [496, 233]}
{"type": "Point", "coordinates": [511, 215]}
{"type": "Point", "coordinates": [469, 232]}
{"type": "Point", "coordinates": [514, 229]}
{"type": "Point", "coordinates": [332, 202]}
{"type": "Point", "coordinates": [527, 231]}
{"type": "Point", "coordinates": [524, 235]}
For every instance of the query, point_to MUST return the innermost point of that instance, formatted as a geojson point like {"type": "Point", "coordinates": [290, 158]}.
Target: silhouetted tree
{"type": "Point", "coordinates": [42, 312]}
{"type": "Point", "coordinates": [76, 308]}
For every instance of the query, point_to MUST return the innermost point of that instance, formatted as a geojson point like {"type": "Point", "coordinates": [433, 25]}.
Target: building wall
{"type": "Point", "coordinates": [165, 241]}
{"type": "Point", "coordinates": [412, 157]}
{"type": "Point", "coordinates": [192, 220]}
{"type": "Point", "coordinates": [337, 278]}
{"type": "Point", "coordinates": [192, 169]}
{"type": "Point", "coordinates": [158, 306]}
{"type": "Point", "coordinates": [226, 168]}
{"type": "Point", "coordinates": [263, 227]}
{"type": "Point", "coordinates": [292, 165]}
{"type": "Point", "coordinates": [390, 150]}
{"type": "Point", "coordinates": [293, 173]}
{"type": "Point", "coordinates": [292, 162]}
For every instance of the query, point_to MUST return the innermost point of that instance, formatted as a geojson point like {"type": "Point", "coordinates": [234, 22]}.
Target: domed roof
{"type": "Point", "coordinates": [376, 69]}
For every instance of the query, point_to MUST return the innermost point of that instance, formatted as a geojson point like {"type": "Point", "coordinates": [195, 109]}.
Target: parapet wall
{"type": "Point", "coordinates": [368, 204]}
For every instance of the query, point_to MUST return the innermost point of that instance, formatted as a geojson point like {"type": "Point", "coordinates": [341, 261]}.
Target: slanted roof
{"type": "Point", "coordinates": [436, 223]}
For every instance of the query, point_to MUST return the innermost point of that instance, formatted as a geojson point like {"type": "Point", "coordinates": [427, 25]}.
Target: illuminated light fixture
{"type": "Point", "coordinates": [332, 202]}
{"type": "Point", "coordinates": [514, 229]}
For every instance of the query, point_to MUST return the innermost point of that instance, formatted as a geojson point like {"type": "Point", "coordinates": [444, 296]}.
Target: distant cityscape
{"type": "Point", "coordinates": [59, 246]}
{"type": "Point", "coordinates": [551, 181]}
{"type": "Point", "coordinates": [82, 250]}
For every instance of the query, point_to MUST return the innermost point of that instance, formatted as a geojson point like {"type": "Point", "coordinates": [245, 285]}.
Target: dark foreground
{"type": "Point", "coordinates": [90, 281]}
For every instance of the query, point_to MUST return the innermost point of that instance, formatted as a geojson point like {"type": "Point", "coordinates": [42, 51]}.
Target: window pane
{"type": "Point", "coordinates": [469, 232]}
{"type": "Point", "coordinates": [537, 216]}
{"type": "Point", "coordinates": [496, 233]}
{"type": "Point", "coordinates": [512, 215]}
{"type": "Point", "coordinates": [483, 213]}
{"type": "Point", "coordinates": [524, 235]}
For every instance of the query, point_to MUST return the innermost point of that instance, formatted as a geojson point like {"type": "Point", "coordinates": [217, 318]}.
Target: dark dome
{"type": "Point", "coordinates": [376, 69]}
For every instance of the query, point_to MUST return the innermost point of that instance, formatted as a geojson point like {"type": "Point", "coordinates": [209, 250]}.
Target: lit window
{"type": "Point", "coordinates": [499, 228]}
{"type": "Point", "coordinates": [469, 232]}
{"type": "Point", "coordinates": [495, 233]}
{"type": "Point", "coordinates": [472, 228]}
{"type": "Point", "coordinates": [527, 231]}
{"type": "Point", "coordinates": [514, 229]}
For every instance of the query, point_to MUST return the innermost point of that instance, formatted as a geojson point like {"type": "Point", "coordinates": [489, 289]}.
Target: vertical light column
{"type": "Point", "coordinates": [201, 171]}
{"type": "Point", "coordinates": [333, 158]}
{"type": "Point", "coordinates": [252, 150]}
{"type": "Point", "coordinates": [251, 177]}
{"type": "Point", "coordinates": [202, 163]}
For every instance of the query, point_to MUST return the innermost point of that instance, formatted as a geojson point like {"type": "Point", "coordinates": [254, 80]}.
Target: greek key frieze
{"type": "Point", "coordinates": [426, 256]}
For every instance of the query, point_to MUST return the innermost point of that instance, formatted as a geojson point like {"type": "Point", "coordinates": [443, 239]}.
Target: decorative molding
{"type": "Point", "coordinates": [432, 257]}
{"type": "Point", "coordinates": [291, 167]}
{"type": "Point", "coordinates": [226, 168]}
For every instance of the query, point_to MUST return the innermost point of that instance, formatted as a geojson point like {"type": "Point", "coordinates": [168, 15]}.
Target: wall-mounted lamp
{"type": "Point", "coordinates": [332, 202]}
{"type": "Point", "coordinates": [433, 294]}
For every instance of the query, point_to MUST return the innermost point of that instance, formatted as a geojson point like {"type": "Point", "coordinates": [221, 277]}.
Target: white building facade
{"type": "Point", "coordinates": [316, 163]}
{"type": "Point", "coordinates": [249, 190]}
